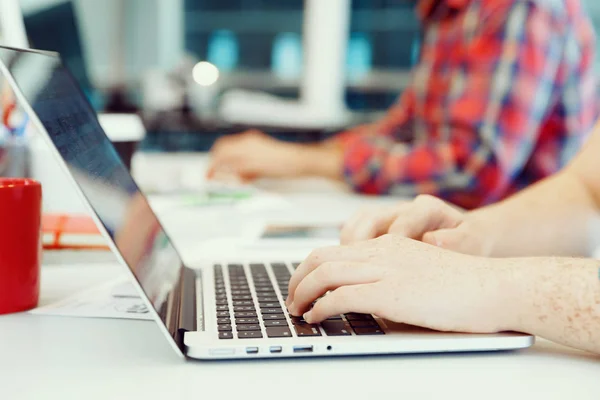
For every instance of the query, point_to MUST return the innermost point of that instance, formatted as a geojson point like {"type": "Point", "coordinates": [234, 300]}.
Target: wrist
{"type": "Point", "coordinates": [487, 289]}
{"type": "Point", "coordinates": [320, 160]}
{"type": "Point", "coordinates": [507, 293]}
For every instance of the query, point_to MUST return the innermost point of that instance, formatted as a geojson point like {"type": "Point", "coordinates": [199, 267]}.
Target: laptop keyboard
{"type": "Point", "coordinates": [252, 307]}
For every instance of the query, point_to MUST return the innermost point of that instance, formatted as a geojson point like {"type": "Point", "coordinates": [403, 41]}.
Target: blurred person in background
{"type": "Point", "coordinates": [503, 95]}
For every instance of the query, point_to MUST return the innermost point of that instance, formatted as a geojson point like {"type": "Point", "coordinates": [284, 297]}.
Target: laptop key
{"type": "Point", "coordinates": [224, 321]}
{"type": "Point", "coordinates": [269, 305]}
{"type": "Point", "coordinates": [265, 292]}
{"type": "Point", "coordinates": [364, 324]}
{"type": "Point", "coordinates": [249, 327]}
{"type": "Point", "coordinates": [224, 328]}
{"type": "Point", "coordinates": [307, 330]}
{"type": "Point", "coordinates": [273, 317]}
{"type": "Point", "coordinates": [225, 335]}
{"type": "Point", "coordinates": [276, 322]}
{"type": "Point", "coordinates": [263, 299]}
{"type": "Point", "coordinates": [244, 308]}
{"type": "Point", "coordinates": [223, 308]}
{"type": "Point", "coordinates": [278, 332]}
{"type": "Point", "coordinates": [369, 331]}
{"type": "Point", "coordinates": [239, 297]}
{"type": "Point", "coordinates": [336, 328]}
{"type": "Point", "coordinates": [298, 320]}
{"type": "Point", "coordinates": [243, 303]}
{"type": "Point", "coordinates": [239, 287]}
{"type": "Point", "coordinates": [242, 321]}
{"type": "Point", "coordinates": [273, 310]}
{"type": "Point", "coordinates": [334, 318]}
{"type": "Point", "coordinates": [223, 314]}
{"type": "Point", "coordinates": [222, 302]}
{"type": "Point", "coordinates": [245, 314]}
{"type": "Point", "coordinates": [250, 335]}
{"type": "Point", "coordinates": [263, 286]}
{"type": "Point", "coordinates": [358, 317]}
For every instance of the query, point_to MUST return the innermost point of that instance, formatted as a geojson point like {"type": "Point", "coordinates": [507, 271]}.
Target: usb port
{"type": "Point", "coordinates": [251, 350]}
{"type": "Point", "coordinates": [303, 349]}
{"type": "Point", "coordinates": [275, 349]}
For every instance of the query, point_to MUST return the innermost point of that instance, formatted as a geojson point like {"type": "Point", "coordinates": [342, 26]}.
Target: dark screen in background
{"type": "Point", "coordinates": [55, 29]}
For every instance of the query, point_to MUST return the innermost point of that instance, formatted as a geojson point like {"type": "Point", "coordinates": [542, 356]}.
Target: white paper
{"type": "Point", "coordinates": [116, 299]}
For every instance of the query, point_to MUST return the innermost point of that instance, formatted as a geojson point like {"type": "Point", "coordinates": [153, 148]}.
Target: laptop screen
{"type": "Point", "coordinates": [72, 126]}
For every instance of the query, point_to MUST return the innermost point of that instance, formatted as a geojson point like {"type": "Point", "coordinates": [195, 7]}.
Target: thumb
{"type": "Point", "coordinates": [444, 238]}
{"type": "Point", "coordinates": [458, 239]}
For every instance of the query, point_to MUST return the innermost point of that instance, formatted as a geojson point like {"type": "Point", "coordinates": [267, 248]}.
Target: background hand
{"type": "Point", "coordinates": [252, 155]}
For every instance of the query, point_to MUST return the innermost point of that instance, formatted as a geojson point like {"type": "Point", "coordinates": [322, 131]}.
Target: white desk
{"type": "Point", "coordinates": [70, 358]}
{"type": "Point", "coordinates": [45, 357]}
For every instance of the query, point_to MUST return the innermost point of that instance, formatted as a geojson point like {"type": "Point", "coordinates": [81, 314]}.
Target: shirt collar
{"type": "Point", "coordinates": [426, 7]}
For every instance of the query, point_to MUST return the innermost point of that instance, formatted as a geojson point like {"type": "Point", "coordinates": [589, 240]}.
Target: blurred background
{"type": "Point", "coordinates": [197, 69]}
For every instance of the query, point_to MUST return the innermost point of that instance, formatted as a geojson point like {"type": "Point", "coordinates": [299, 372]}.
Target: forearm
{"type": "Point", "coordinates": [557, 217]}
{"type": "Point", "coordinates": [554, 298]}
{"type": "Point", "coordinates": [320, 160]}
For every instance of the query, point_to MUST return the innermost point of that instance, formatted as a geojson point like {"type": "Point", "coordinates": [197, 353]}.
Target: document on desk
{"type": "Point", "coordinates": [115, 299]}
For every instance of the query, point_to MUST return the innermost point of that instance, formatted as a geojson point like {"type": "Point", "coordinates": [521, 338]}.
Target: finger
{"type": "Point", "coordinates": [420, 217]}
{"type": "Point", "coordinates": [362, 299]}
{"type": "Point", "coordinates": [368, 224]}
{"type": "Point", "coordinates": [327, 254]}
{"type": "Point", "coordinates": [226, 162]}
{"type": "Point", "coordinates": [361, 227]}
{"type": "Point", "coordinates": [460, 240]}
{"type": "Point", "coordinates": [330, 276]}
{"type": "Point", "coordinates": [444, 238]}
{"type": "Point", "coordinates": [210, 173]}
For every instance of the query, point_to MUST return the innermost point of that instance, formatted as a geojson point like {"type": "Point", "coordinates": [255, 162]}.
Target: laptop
{"type": "Point", "coordinates": [225, 309]}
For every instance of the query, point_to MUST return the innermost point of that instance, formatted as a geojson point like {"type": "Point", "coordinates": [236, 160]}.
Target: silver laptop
{"type": "Point", "coordinates": [223, 310]}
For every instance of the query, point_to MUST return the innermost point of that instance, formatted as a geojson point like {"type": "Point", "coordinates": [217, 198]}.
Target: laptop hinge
{"type": "Point", "coordinates": [187, 310]}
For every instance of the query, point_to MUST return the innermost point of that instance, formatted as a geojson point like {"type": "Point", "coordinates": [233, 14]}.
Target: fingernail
{"type": "Point", "coordinates": [291, 308]}
{"type": "Point", "coordinates": [307, 316]}
{"type": "Point", "coordinates": [436, 240]}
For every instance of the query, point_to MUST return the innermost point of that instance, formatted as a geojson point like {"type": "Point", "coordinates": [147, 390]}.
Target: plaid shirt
{"type": "Point", "coordinates": [504, 95]}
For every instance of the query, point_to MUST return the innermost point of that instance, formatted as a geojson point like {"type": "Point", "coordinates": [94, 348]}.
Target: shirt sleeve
{"type": "Point", "coordinates": [385, 126]}
{"type": "Point", "coordinates": [498, 98]}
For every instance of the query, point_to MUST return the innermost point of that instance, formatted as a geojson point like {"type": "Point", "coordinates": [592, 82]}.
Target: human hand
{"type": "Point", "coordinates": [427, 219]}
{"type": "Point", "coordinates": [251, 155]}
{"type": "Point", "coordinates": [404, 281]}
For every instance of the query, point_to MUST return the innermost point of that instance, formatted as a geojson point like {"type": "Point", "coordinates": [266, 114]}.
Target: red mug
{"type": "Point", "coordinates": [20, 244]}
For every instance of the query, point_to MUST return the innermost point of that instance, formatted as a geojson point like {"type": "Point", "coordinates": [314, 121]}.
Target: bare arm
{"type": "Point", "coordinates": [555, 298]}
{"type": "Point", "coordinates": [559, 216]}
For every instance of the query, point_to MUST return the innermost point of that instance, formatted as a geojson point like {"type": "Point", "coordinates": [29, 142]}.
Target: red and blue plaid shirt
{"type": "Point", "coordinates": [504, 94]}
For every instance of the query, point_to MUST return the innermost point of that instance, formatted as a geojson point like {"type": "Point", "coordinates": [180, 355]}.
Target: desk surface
{"type": "Point", "coordinates": [64, 358]}
{"type": "Point", "coordinates": [59, 357]}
